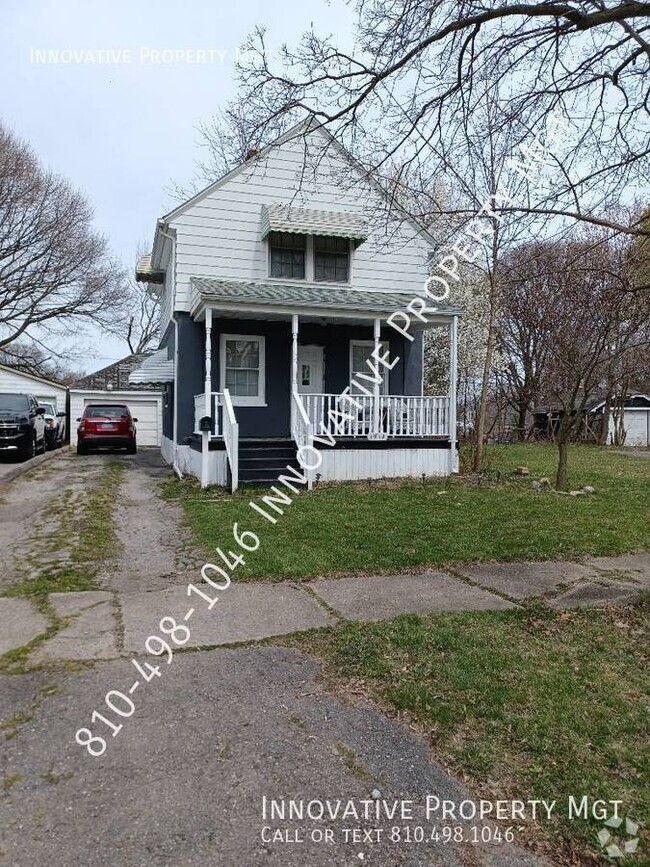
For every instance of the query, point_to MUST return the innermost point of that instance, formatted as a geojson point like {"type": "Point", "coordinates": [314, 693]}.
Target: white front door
{"type": "Point", "coordinates": [310, 369]}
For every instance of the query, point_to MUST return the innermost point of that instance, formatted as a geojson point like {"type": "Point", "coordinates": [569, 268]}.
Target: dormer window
{"type": "Point", "coordinates": [287, 255]}
{"type": "Point", "coordinates": [331, 259]}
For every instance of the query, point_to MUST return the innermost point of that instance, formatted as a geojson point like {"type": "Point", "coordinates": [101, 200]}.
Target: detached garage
{"type": "Point", "coordinates": [14, 381]}
{"type": "Point", "coordinates": [636, 420]}
{"type": "Point", "coordinates": [111, 385]}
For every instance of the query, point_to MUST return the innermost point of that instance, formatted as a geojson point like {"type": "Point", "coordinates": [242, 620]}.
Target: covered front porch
{"type": "Point", "coordinates": [281, 373]}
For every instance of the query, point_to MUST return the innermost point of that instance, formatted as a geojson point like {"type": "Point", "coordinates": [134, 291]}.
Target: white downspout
{"type": "Point", "coordinates": [175, 466]}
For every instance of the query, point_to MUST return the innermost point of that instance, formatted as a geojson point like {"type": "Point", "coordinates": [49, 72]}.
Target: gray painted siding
{"type": "Point", "coordinates": [168, 342]}
{"type": "Point", "coordinates": [273, 420]}
{"type": "Point", "coordinates": [189, 375]}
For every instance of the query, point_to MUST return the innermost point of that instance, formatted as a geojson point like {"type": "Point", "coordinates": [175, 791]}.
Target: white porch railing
{"type": "Point", "coordinates": [231, 439]}
{"type": "Point", "coordinates": [398, 416]}
{"type": "Point", "coordinates": [199, 412]}
{"type": "Point", "coordinates": [302, 429]}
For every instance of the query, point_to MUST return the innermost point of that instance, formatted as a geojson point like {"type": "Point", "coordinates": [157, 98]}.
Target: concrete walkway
{"type": "Point", "coordinates": [107, 625]}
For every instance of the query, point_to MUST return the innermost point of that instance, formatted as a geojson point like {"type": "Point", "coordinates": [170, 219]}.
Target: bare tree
{"type": "Point", "coordinates": [587, 319]}
{"type": "Point", "coordinates": [55, 271]}
{"type": "Point", "coordinates": [419, 70]}
{"type": "Point", "coordinates": [32, 358]}
{"type": "Point", "coordinates": [523, 324]}
{"type": "Point", "coordinates": [140, 328]}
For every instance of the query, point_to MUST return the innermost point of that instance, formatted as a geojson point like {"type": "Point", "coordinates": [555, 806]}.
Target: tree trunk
{"type": "Point", "coordinates": [561, 477]}
{"type": "Point", "coordinates": [477, 465]}
{"type": "Point", "coordinates": [521, 420]}
{"type": "Point", "coordinates": [604, 428]}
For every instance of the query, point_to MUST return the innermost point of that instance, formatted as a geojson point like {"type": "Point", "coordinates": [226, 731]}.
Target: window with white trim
{"type": "Point", "coordinates": [242, 363]}
{"type": "Point", "coordinates": [360, 353]}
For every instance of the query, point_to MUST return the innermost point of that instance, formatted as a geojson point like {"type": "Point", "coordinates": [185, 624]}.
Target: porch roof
{"type": "Point", "coordinates": [318, 297]}
{"type": "Point", "coordinates": [307, 221]}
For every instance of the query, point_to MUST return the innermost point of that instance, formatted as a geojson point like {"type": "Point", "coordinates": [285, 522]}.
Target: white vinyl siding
{"type": "Point", "coordinates": [16, 382]}
{"type": "Point", "coordinates": [167, 294]}
{"type": "Point", "coordinates": [221, 234]}
{"type": "Point", "coordinates": [637, 427]}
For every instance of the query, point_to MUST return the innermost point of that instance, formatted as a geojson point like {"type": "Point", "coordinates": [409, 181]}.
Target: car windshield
{"type": "Point", "coordinates": [49, 409]}
{"type": "Point", "coordinates": [14, 403]}
{"type": "Point", "coordinates": [115, 411]}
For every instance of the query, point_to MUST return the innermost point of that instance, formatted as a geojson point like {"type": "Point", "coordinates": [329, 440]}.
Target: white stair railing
{"type": "Point", "coordinates": [302, 430]}
{"type": "Point", "coordinates": [231, 439]}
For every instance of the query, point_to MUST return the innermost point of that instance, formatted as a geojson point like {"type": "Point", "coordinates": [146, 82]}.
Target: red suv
{"type": "Point", "coordinates": [108, 425]}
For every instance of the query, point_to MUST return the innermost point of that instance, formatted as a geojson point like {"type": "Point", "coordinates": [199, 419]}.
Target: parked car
{"type": "Point", "coordinates": [106, 425]}
{"type": "Point", "coordinates": [54, 426]}
{"type": "Point", "coordinates": [22, 427]}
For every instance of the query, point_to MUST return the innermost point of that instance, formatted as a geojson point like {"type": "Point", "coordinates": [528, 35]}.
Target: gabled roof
{"type": "Point", "coordinates": [310, 124]}
{"type": "Point", "coordinates": [312, 296]}
{"type": "Point", "coordinates": [632, 401]}
{"type": "Point", "coordinates": [33, 376]}
{"type": "Point", "coordinates": [114, 377]}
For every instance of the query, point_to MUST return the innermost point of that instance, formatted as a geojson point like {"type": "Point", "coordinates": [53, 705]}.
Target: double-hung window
{"type": "Point", "coordinates": [242, 368]}
{"type": "Point", "coordinates": [287, 255]}
{"type": "Point", "coordinates": [360, 354]}
{"type": "Point", "coordinates": [331, 259]}
{"type": "Point", "coordinates": [323, 258]}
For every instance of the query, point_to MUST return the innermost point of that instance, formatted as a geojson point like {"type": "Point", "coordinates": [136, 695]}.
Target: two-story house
{"type": "Point", "coordinates": [278, 283]}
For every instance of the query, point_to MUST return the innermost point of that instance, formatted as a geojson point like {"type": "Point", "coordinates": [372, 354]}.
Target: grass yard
{"type": "Point", "coordinates": [523, 704]}
{"type": "Point", "coordinates": [377, 528]}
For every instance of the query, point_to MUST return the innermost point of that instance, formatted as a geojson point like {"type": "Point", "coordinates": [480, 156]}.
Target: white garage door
{"type": "Point", "coordinates": [146, 412]}
{"type": "Point", "coordinates": [636, 425]}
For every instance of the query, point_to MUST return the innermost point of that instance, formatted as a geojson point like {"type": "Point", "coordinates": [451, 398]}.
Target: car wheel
{"type": "Point", "coordinates": [132, 449]}
{"type": "Point", "coordinates": [29, 448]}
{"type": "Point", "coordinates": [81, 449]}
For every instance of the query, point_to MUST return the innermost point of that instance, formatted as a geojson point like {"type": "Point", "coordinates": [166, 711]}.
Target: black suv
{"type": "Point", "coordinates": [22, 427]}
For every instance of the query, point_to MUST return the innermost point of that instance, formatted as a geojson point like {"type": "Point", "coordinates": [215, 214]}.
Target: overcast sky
{"type": "Point", "coordinates": [123, 130]}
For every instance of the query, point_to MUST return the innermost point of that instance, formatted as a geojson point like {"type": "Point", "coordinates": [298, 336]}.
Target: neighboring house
{"type": "Point", "coordinates": [276, 285]}
{"type": "Point", "coordinates": [112, 385]}
{"type": "Point", "coordinates": [44, 390]}
{"type": "Point", "coordinates": [635, 421]}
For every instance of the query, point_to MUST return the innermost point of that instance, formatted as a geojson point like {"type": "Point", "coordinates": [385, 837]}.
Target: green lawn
{"type": "Point", "coordinates": [522, 704]}
{"type": "Point", "coordinates": [373, 528]}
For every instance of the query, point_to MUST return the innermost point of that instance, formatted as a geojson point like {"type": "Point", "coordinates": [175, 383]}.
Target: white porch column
{"type": "Point", "coordinates": [207, 389]}
{"type": "Point", "coordinates": [294, 363]}
{"type": "Point", "coordinates": [376, 390]}
{"type": "Point", "coordinates": [453, 376]}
